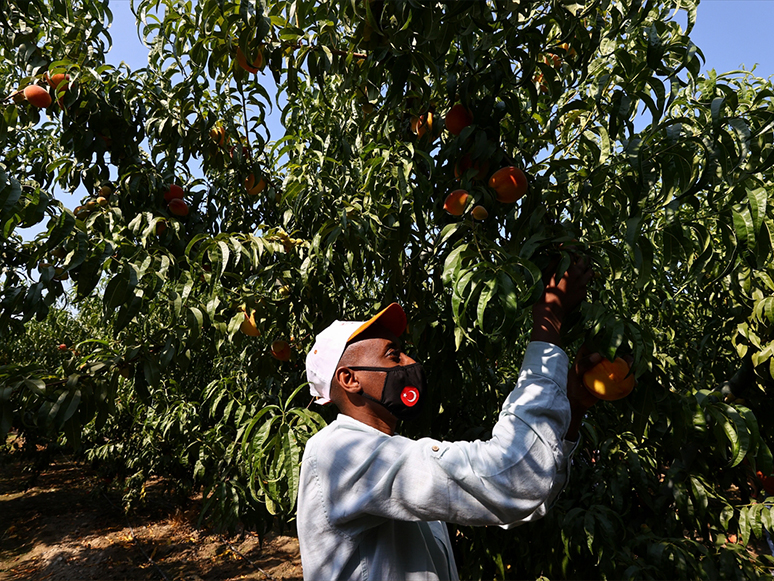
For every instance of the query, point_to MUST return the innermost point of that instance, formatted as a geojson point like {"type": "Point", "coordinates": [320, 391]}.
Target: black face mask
{"type": "Point", "coordinates": [403, 389]}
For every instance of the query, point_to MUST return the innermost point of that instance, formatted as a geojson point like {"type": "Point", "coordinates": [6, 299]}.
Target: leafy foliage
{"type": "Point", "coordinates": [662, 175]}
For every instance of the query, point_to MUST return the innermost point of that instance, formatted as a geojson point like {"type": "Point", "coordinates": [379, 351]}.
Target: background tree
{"type": "Point", "coordinates": [180, 296]}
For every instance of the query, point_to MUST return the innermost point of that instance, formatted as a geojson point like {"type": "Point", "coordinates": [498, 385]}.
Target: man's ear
{"type": "Point", "coordinates": [346, 380]}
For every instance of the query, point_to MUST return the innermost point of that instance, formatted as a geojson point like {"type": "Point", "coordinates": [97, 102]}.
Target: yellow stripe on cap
{"type": "Point", "coordinates": [392, 318]}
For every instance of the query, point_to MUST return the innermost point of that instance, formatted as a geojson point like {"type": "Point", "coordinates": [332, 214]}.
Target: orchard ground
{"type": "Point", "coordinates": [67, 524]}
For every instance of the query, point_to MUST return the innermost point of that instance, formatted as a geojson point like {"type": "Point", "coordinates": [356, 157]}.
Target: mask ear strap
{"type": "Point", "coordinates": [373, 399]}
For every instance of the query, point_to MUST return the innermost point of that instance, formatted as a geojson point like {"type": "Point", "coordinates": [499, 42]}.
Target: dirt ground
{"type": "Point", "coordinates": [66, 527]}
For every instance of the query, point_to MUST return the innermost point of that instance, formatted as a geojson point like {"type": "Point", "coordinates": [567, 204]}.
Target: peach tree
{"type": "Point", "coordinates": [202, 239]}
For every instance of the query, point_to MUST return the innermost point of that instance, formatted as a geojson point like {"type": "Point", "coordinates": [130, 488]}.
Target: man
{"type": "Point", "coordinates": [371, 503]}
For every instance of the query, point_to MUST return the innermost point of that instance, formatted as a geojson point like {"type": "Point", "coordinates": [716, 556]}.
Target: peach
{"type": "Point", "coordinates": [57, 79]}
{"type": "Point", "coordinates": [178, 207]}
{"type": "Point", "coordinates": [609, 380]}
{"type": "Point", "coordinates": [455, 202]}
{"type": "Point", "coordinates": [37, 96]}
{"type": "Point", "coordinates": [423, 124]}
{"type": "Point", "coordinates": [248, 326]}
{"type": "Point", "coordinates": [281, 350]}
{"type": "Point", "coordinates": [458, 118]}
{"type": "Point", "coordinates": [173, 192]}
{"type": "Point", "coordinates": [479, 213]}
{"type": "Point", "coordinates": [510, 183]}
{"type": "Point", "coordinates": [254, 188]}
{"type": "Point", "coordinates": [257, 62]}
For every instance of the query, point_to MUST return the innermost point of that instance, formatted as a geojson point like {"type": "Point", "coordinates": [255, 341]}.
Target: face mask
{"type": "Point", "coordinates": [404, 386]}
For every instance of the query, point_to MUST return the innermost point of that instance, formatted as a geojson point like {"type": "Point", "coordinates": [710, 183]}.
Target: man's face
{"type": "Point", "coordinates": [377, 347]}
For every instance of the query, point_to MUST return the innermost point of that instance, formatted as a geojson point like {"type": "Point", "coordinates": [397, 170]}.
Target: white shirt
{"type": "Point", "coordinates": [370, 504]}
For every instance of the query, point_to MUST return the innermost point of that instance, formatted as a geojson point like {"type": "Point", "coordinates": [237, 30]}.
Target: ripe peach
{"type": "Point", "coordinates": [161, 227]}
{"type": "Point", "coordinates": [423, 124]}
{"type": "Point", "coordinates": [252, 188]}
{"type": "Point", "coordinates": [479, 213]}
{"type": "Point", "coordinates": [102, 201]}
{"type": "Point", "coordinates": [105, 191]}
{"type": "Point", "coordinates": [609, 380]}
{"type": "Point", "coordinates": [218, 135]}
{"type": "Point", "coordinates": [458, 118]}
{"type": "Point", "coordinates": [257, 62]}
{"type": "Point", "coordinates": [281, 350]}
{"type": "Point", "coordinates": [173, 192]}
{"type": "Point", "coordinates": [178, 207]}
{"type": "Point", "coordinates": [510, 183]}
{"type": "Point", "coordinates": [553, 59]}
{"type": "Point", "coordinates": [62, 347]}
{"type": "Point", "coordinates": [568, 49]}
{"type": "Point", "coordinates": [37, 96]}
{"type": "Point", "coordinates": [248, 326]}
{"type": "Point", "coordinates": [455, 202]}
{"type": "Point", "coordinates": [57, 79]}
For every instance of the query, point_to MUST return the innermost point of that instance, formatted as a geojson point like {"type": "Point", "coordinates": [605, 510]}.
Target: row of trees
{"type": "Point", "coordinates": [661, 174]}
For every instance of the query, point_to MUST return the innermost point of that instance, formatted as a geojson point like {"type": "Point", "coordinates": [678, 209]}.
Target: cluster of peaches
{"type": "Point", "coordinates": [509, 183]}
{"type": "Point", "coordinates": [40, 97]}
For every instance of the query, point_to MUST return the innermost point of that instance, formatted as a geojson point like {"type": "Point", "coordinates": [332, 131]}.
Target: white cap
{"type": "Point", "coordinates": [329, 346]}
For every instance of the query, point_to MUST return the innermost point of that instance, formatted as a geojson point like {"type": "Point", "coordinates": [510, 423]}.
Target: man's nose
{"type": "Point", "coordinates": [406, 360]}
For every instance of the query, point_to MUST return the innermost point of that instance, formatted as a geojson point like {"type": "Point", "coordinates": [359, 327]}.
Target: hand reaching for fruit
{"type": "Point", "coordinates": [559, 299]}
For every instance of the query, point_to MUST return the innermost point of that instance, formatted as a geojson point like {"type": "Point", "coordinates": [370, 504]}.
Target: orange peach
{"type": "Point", "coordinates": [37, 96]}
{"type": "Point", "coordinates": [609, 380]}
{"type": "Point", "coordinates": [254, 188]}
{"type": "Point", "coordinates": [479, 213]}
{"type": "Point", "coordinates": [257, 62]}
{"type": "Point", "coordinates": [423, 124]}
{"type": "Point", "coordinates": [248, 326]}
{"type": "Point", "coordinates": [510, 183]}
{"type": "Point", "coordinates": [455, 202]}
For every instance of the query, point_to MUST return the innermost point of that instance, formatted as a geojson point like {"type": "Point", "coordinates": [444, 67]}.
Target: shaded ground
{"type": "Point", "coordinates": [65, 528]}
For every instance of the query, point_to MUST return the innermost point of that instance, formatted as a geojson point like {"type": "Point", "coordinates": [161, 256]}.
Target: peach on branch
{"type": "Point", "coordinates": [610, 380]}
{"type": "Point", "coordinates": [479, 213]}
{"type": "Point", "coordinates": [510, 183]}
{"type": "Point", "coordinates": [248, 326]}
{"type": "Point", "coordinates": [256, 65]}
{"type": "Point", "coordinates": [455, 202]}
{"type": "Point", "coordinates": [281, 350]}
{"type": "Point", "coordinates": [37, 96]}
{"type": "Point", "coordinates": [458, 118]}
{"type": "Point", "coordinates": [178, 207]}
{"type": "Point", "coordinates": [173, 192]}
{"type": "Point", "coordinates": [252, 187]}
{"type": "Point", "coordinates": [422, 124]}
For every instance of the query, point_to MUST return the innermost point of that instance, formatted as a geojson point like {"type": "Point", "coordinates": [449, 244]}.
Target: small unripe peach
{"type": "Point", "coordinates": [479, 213]}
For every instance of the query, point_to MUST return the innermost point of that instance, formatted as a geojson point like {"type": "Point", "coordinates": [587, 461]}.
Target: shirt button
{"type": "Point", "coordinates": [435, 448]}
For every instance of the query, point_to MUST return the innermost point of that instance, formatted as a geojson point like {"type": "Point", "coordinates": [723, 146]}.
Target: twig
{"type": "Point", "coordinates": [137, 544]}
{"type": "Point", "coordinates": [245, 557]}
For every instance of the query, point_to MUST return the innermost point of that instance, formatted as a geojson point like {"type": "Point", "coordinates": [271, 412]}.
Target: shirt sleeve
{"type": "Point", "coordinates": [507, 480]}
